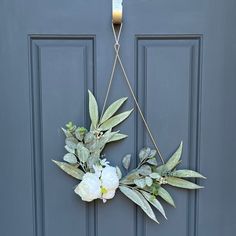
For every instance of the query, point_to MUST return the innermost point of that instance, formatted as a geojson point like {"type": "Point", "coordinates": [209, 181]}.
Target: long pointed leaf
{"type": "Point", "coordinates": [117, 137]}
{"type": "Point", "coordinates": [160, 169]}
{"type": "Point", "coordinates": [137, 198]}
{"type": "Point", "coordinates": [166, 196]}
{"type": "Point", "coordinates": [93, 109]}
{"type": "Point", "coordinates": [154, 202]}
{"type": "Point", "coordinates": [70, 170]}
{"type": "Point", "coordinates": [182, 183]}
{"type": "Point", "coordinates": [115, 120]}
{"type": "Point", "coordinates": [112, 109]}
{"type": "Point", "coordinates": [187, 174]}
{"type": "Point", "coordinates": [175, 158]}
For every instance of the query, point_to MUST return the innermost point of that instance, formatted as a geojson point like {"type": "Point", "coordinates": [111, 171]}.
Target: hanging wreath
{"type": "Point", "coordinates": [144, 185]}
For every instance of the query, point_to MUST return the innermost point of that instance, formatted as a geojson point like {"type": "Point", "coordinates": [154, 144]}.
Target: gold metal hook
{"type": "Point", "coordinates": [117, 11]}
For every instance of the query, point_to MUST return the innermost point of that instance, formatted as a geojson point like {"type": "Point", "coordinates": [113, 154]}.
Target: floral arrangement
{"type": "Point", "coordinates": [143, 185]}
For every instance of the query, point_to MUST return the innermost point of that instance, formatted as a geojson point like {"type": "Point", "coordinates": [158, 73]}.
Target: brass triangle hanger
{"type": "Point", "coordinates": [117, 26]}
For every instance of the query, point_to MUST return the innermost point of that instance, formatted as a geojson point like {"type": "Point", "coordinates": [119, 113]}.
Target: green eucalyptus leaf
{"type": "Point", "coordinates": [80, 145]}
{"type": "Point", "coordinates": [152, 161]}
{"type": "Point", "coordinates": [71, 142]}
{"type": "Point", "coordinates": [144, 153]}
{"type": "Point", "coordinates": [145, 170]}
{"type": "Point", "coordinates": [166, 196]}
{"type": "Point", "coordinates": [70, 158]}
{"type": "Point", "coordinates": [175, 158]}
{"type": "Point", "coordinates": [141, 183]}
{"type": "Point", "coordinates": [155, 175]}
{"type": "Point", "coordinates": [70, 169]}
{"type": "Point", "coordinates": [79, 136]}
{"type": "Point", "coordinates": [93, 109]}
{"type": "Point", "coordinates": [148, 181]}
{"type": "Point", "coordinates": [112, 109]}
{"type": "Point", "coordinates": [115, 120]}
{"type": "Point", "coordinates": [187, 174]}
{"type": "Point", "coordinates": [182, 183]}
{"type": "Point", "coordinates": [138, 198]}
{"type": "Point", "coordinates": [152, 153]}
{"type": "Point", "coordinates": [89, 137]}
{"type": "Point", "coordinates": [70, 150]}
{"type": "Point", "coordinates": [126, 161]}
{"type": "Point", "coordinates": [80, 133]}
{"type": "Point", "coordinates": [117, 137]}
{"type": "Point", "coordinates": [94, 159]}
{"type": "Point", "coordinates": [83, 154]}
{"type": "Point", "coordinates": [154, 202]}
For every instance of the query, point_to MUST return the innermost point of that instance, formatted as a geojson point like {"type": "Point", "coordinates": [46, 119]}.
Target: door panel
{"type": "Point", "coordinates": [168, 85]}
{"type": "Point", "coordinates": [180, 58]}
{"type": "Point", "coordinates": [61, 74]}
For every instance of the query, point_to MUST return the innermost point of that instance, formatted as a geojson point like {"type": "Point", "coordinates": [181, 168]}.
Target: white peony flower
{"type": "Point", "coordinates": [101, 184]}
{"type": "Point", "coordinates": [89, 188]}
{"type": "Point", "coordinates": [109, 178]}
{"type": "Point", "coordinates": [110, 182]}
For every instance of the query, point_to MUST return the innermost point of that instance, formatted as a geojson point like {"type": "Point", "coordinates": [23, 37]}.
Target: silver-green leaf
{"type": "Point", "coordinates": [138, 198]}
{"type": "Point", "coordinates": [70, 170]}
{"type": "Point", "coordinates": [175, 158]}
{"type": "Point", "coordinates": [89, 137]}
{"type": "Point", "coordinates": [126, 161]}
{"type": "Point", "coordinates": [148, 181]}
{"type": "Point", "coordinates": [70, 150]}
{"type": "Point", "coordinates": [145, 170]}
{"type": "Point", "coordinates": [93, 109]}
{"type": "Point", "coordinates": [182, 183]}
{"type": "Point", "coordinates": [115, 120]}
{"type": "Point", "coordinates": [70, 158]}
{"type": "Point", "coordinates": [166, 196]}
{"type": "Point", "coordinates": [141, 183]}
{"type": "Point", "coordinates": [117, 137]}
{"type": "Point", "coordinates": [112, 109]}
{"type": "Point", "coordinates": [80, 132]}
{"type": "Point", "coordinates": [187, 174]}
{"type": "Point", "coordinates": [160, 169]}
{"type": "Point", "coordinates": [83, 154]}
{"type": "Point", "coordinates": [152, 161]}
{"type": "Point", "coordinates": [144, 153]}
{"type": "Point", "coordinates": [71, 142]}
{"type": "Point", "coordinates": [152, 153]}
{"type": "Point", "coordinates": [154, 202]}
{"type": "Point", "coordinates": [155, 175]}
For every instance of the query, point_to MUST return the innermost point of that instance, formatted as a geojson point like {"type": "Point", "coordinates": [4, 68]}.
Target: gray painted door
{"type": "Point", "coordinates": [180, 57]}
